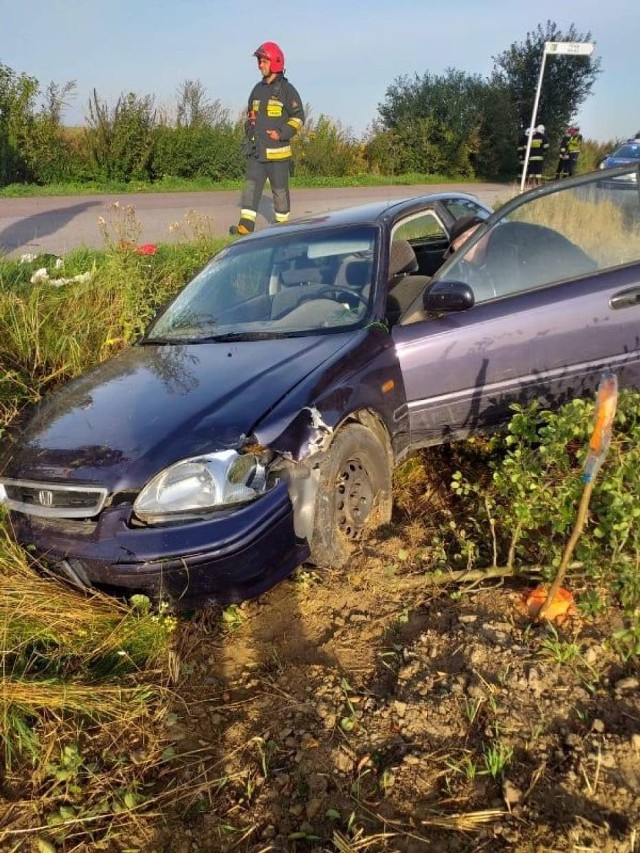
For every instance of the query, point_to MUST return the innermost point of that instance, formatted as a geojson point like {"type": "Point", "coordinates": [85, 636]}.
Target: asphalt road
{"type": "Point", "coordinates": [59, 224]}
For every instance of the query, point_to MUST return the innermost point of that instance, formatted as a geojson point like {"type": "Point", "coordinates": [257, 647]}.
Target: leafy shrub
{"type": "Point", "coordinates": [326, 148]}
{"type": "Point", "coordinates": [529, 503]}
{"type": "Point", "coordinates": [204, 151]}
{"type": "Point", "coordinates": [121, 139]}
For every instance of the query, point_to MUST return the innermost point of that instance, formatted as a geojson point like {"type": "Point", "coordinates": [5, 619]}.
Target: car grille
{"type": "Point", "coordinates": [53, 500]}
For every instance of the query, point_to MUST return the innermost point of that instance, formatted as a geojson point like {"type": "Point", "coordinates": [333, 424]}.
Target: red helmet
{"type": "Point", "coordinates": [271, 51]}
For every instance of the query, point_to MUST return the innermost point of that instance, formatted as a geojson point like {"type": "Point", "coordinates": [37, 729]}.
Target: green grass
{"type": "Point", "coordinates": [82, 686]}
{"type": "Point", "coordinates": [49, 334]}
{"type": "Point", "coordinates": [171, 184]}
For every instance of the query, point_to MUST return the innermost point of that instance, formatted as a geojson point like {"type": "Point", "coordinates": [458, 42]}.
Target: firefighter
{"type": "Point", "coordinates": [569, 152]}
{"type": "Point", "coordinates": [274, 116]}
{"type": "Point", "coordinates": [522, 149]}
{"type": "Point", "coordinates": [539, 147]}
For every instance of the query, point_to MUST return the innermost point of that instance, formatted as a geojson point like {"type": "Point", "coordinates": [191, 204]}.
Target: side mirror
{"type": "Point", "coordinates": [445, 297]}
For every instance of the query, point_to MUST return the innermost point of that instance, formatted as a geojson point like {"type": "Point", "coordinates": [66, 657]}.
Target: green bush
{"type": "Point", "coordinates": [121, 140]}
{"type": "Point", "coordinates": [204, 151]}
{"type": "Point", "coordinates": [530, 500]}
{"type": "Point", "coordinates": [326, 148]}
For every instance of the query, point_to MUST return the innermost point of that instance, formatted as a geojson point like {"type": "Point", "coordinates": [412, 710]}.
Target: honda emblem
{"type": "Point", "coordinates": [45, 497]}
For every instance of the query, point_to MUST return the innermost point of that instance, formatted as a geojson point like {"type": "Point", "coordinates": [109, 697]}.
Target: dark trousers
{"type": "Point", "coordinates": [277, 171]}
{"type": "Point", "coordinates": [567, 165]}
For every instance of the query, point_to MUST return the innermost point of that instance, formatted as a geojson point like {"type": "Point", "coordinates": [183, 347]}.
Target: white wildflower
{"type": "Point", "coordinates": [40, 275]}
{"type": "Point", "coordinates": [81, 278]}
{"type": "Point", "coordinates": [59, 263]}
{"type": "Point", "coordinates": [27, 258]}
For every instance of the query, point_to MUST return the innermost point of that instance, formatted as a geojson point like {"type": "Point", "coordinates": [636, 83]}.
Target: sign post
{"type": "Point", "coordinates": [551, 48]}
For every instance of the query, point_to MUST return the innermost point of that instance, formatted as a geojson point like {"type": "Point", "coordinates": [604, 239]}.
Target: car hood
{"type": "Point", "coordinates": [612, 162]}
{"type": "Point", "coordinates": [152, 405]}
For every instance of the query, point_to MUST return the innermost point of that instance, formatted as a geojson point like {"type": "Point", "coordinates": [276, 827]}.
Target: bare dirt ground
{"type": "Point", "coordinates": [366, 710]}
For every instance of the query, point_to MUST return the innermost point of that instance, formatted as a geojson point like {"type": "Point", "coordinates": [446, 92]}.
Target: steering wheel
{"type": "Point", "coordinates": [336, 289]}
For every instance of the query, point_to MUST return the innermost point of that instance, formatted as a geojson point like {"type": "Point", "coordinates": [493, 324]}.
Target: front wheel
{"type": "Point", "coordinates": [354, 495]}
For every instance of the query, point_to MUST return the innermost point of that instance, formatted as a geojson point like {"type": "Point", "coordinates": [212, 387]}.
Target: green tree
{"type": "Point", "coordinates": [436, 120]}
{"type": "Point", "coordinates": [566, 83]}
{"type": "Point", "coordinates": [497, 150]}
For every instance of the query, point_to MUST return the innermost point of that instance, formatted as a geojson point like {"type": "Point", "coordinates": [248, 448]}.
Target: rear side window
{"type": "Point", "coordinates": [459, 207]}
{"type": "Point", "coordinates": [423, 226]}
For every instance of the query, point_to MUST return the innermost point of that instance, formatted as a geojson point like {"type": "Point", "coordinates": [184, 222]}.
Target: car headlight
{"type": "Point", "coordinates": [193, 487]}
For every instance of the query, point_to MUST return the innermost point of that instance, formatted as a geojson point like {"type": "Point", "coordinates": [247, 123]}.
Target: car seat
{"type": "Point", "coordinates": [295, 286]}
{"type": "Point", "coordinates": [402, 287]}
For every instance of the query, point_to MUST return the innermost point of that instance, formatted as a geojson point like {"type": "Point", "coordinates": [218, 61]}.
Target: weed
{"type": "Point", "coordinates": [306, 578]}
{"type": "Point", "coordinates": [267, 749]}
{"type": "Point", "coordinates": [560, 651]}
{"type": "Point", "coordinates": [627, 640]}
{"type": "Point", "coordinates": [390, 660]}
{"type": "Point", "coordinates": [465, 766]}
{"type": "Point", "coordinates": [349, 722]}
{"type": "Point", "coordinates": [471, 708]}
{"type": "Point", "coordinates": [120, 228]}
{"type": "Point", "coordinates": [233, 617]}
{"type": "Point", "coordinates": [496, 757]}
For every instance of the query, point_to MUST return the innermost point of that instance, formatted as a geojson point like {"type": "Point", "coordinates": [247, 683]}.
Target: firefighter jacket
{"type": "Point", "coordinates": [273, 106]}
{"type": "Point", "coordinates": [539, 146]}
{"type": "Point", "coordinates": [573, 146]}
{"type": "Point", "coordinates": [522, 146]}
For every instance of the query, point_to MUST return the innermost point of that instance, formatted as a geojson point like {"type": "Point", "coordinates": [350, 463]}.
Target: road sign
{"type": "Point", "coordinates": [551, 48]}
{"type": "Point", "coordinates": [577, 48]}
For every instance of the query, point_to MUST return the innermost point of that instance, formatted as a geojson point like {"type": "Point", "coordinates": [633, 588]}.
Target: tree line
{"type": "Point", "coordinates": [454, 123]}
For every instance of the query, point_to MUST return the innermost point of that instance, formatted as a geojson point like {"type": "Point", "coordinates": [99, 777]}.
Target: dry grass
{"type": "Point", "coordinates": [598, 225]}
{"type": "Point", "coordinates": [82, 705]}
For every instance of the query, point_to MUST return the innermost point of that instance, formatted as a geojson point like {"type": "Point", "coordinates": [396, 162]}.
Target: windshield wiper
{"type": "Point", "coordinates": [208, 339]}
{"type": "Point", "coordinates": [241, 336]}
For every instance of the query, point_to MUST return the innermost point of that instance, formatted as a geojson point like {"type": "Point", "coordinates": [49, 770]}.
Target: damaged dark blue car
{"type": "Point", "coordinates": [258, 422]}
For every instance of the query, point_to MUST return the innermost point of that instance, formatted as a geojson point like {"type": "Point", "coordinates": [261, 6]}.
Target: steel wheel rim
{"type": "Point", "coordinates": [355, 493]}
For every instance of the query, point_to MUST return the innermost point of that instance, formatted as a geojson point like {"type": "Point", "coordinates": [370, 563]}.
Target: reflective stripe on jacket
{"type": "Point", "coordinates": [274, 106]}
{"type": "Point", "coordinates": [539, 145]}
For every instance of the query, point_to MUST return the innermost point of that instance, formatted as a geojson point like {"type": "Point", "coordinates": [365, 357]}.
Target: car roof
{"type": "Point", "coordinates": [373, 213]}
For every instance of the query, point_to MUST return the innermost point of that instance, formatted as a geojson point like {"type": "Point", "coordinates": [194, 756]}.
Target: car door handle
{"type": "Point", "coordinates": [626, 298]}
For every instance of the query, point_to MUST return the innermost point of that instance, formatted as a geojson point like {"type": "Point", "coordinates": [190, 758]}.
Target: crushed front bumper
{"type": "Point", "coordinates": [226, 558]}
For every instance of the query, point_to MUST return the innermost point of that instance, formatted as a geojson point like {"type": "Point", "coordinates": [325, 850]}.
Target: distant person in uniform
{"type": "Point", "coordinates": [539, 148]}
{"type": "Point", "coordinates": [522, 149]}
{"type": "Point", "coordinates": [569, 152]}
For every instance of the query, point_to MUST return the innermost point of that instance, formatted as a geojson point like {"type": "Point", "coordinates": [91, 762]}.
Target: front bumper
{"type": "Point", "coordinates": [226, 558]}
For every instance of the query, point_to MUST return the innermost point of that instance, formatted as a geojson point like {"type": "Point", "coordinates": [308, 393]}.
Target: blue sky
{"type": "Point", "coordinates": [341, 56]}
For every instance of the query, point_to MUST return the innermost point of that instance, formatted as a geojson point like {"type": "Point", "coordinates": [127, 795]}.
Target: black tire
{"type": "Point", "coordinates": [354, 495]}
